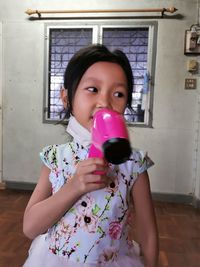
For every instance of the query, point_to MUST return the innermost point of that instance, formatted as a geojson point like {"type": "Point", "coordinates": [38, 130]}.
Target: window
{"type": "Point", "coordinates": [136, 40]}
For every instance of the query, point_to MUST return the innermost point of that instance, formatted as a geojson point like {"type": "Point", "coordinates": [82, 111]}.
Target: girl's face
{"type": "Point", "coordinates": [103, 85]}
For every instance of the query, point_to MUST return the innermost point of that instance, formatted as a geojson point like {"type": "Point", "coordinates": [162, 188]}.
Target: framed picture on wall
{"type": "Point", "coordinates": [192, 42]}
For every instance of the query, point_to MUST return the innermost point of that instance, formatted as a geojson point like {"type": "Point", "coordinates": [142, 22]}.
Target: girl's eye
{"type": "Point", "coordinates": [118, 94]}
{"type": "Point", "coordinates": [92, 89]}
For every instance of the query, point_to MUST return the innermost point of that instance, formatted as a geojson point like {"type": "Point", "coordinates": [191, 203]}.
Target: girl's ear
{"type": "Point", "coordinates": [64, 97]}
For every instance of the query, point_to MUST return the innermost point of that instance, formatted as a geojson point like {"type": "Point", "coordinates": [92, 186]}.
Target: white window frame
{"type": "Point", "coordinates": [98, 27]}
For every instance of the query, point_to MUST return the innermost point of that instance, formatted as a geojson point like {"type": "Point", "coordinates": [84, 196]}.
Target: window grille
{"type": "Point", "coordinates": [134, 40]}
{"type": "Point", "coordinates": [63, 43]}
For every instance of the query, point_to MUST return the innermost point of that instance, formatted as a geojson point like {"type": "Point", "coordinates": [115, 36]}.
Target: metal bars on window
{"type": "Point", "coordinates": [63, 43]}
{"type": "Point", "coordinates": [134, 40]}
{"type": "Point", "coordinates": [134, 43]}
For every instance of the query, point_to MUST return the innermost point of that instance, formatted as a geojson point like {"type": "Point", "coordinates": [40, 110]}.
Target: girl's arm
{"type": "Point", "coordinates": [44, 209]}
{"type": "Point", "coordinates": [145, 220]}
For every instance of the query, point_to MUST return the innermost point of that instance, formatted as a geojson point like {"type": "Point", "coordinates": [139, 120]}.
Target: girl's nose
{"type": "Point", "coordinates": [103, 101]}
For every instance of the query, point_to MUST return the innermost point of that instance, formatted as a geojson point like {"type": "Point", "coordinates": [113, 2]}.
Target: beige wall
{"type": "Point", "coordinates": [171, 142]}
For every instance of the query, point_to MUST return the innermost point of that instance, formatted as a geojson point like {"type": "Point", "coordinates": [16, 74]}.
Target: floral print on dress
{"type": "Point", "coordinates": [85, 217]}
{"type": "Point", "coordinates": [94, 230]}
{"type": "Point", "coordinates": [115, 230]}
{"type": "Point", "coordinates": [107, 255]}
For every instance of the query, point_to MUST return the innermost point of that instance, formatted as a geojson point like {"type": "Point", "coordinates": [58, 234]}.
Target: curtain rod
{"type": "Point", "coordinates": [161, 10]}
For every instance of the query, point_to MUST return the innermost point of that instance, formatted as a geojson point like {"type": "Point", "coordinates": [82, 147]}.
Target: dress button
{"type": "Point", "coordinates": [87, 219]}
{"type": "Point", "coordinates": [84, 204]}
{"type": "Point", "coordinates": [112, 185]}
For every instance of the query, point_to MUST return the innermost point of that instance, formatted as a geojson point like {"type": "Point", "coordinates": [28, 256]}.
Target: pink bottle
{"type": "Point", "coordinates": [110, 137]}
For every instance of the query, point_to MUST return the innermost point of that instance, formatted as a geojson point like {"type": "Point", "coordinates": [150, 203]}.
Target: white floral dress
{"type": "Point", "coordinates": [94, 232]}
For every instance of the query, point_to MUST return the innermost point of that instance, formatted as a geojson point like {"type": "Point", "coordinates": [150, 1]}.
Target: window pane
{"type": "Point", "coordinates": [134, 43]}
{"type": "Point", "coordinates": [63, 43]}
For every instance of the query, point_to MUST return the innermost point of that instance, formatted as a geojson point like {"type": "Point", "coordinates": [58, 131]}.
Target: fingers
{"type": "Point", "coordinates": [97, 179]}
{"type": "Point", "coordinates": [91, 161]}
{"type": "Point", "coordinates": [95, 182]}
{"type": "Point", "coordinates": [91, 165]}
{"type": "Point", "coordinates": [91, 174]}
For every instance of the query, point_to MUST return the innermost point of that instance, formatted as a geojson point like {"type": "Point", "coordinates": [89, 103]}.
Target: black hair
{"type": "Point", "coordinates": [86, 57]}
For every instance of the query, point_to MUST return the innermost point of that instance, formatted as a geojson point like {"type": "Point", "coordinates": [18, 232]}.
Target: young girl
{"type": "Point", "coordinates": [76, 215]}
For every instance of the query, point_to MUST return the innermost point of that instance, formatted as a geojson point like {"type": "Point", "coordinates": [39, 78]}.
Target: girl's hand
{"type": "Point", "coordinates": [90, 175]}
{"type": "Point", "coordinates": [45, 209]}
